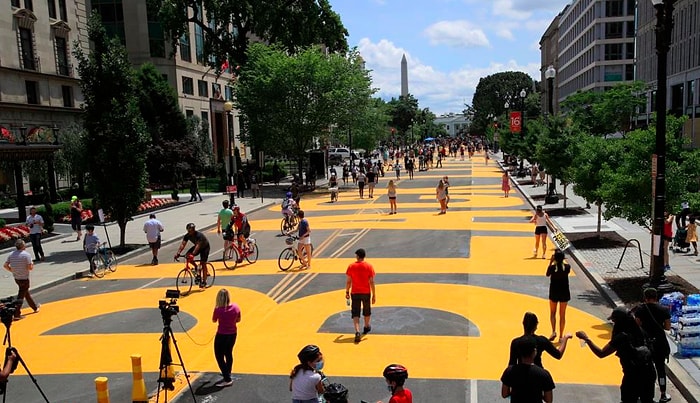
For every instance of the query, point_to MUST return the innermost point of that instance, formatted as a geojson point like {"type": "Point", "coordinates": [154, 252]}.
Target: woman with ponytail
{"type": "Point", "coordinates": [559, 293]}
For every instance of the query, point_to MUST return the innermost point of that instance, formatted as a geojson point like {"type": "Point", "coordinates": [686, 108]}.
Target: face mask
{"type": "Point", "coordinates": [319, 365]}
{"type": "Point", "coordinates": [391, 389]}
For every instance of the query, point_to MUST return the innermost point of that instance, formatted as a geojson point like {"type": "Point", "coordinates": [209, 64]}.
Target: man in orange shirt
{"type": "Point", "coordinates": [360, 278]}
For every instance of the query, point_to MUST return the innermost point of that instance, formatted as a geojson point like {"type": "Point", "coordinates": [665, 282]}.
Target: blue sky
{"type": "Point", "coordinates": [449, 44]}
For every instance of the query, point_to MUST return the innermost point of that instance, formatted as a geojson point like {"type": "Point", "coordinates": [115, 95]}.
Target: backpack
{"type": "Point", "coordinates": [641, 354]}
{"type": "Point", "coordinates": [285, 204]}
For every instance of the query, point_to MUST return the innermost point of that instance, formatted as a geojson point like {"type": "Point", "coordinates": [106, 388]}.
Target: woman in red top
{"type": "Point", "coordinates": [228, 314]}
{"type": "Point", "coordinates": [667, 236]}
{"type": "Point", "coordinates": [505, 184]}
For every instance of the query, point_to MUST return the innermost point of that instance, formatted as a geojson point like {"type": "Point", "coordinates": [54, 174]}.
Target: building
{"type": "Point", "coordinates": [596, 46]}
{"type": "Point", "coordinates": [455, 124]}
{"type": "Point", "coordinates": [549, 53]}
{"type": "Point", "coordinates": [39, 85]}
{"type": "Point", "coordinates": [200, 92]}
{"type": "Point", "coordinates": [683, 64]}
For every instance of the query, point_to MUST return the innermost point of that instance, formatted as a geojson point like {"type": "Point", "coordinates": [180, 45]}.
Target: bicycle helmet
{"type": "Point", "coordinates": [396, 372]}
{"type": "Point", "coordinates": [236, 208]}
{"type": "Point", "coordinates": [288, 194]}
{"type": "Point", "coordinates": [308, 353]}
{"type": "Point", "coordinates": [336, 392]}
{"type": "Point", "coordinates": [190, 226]}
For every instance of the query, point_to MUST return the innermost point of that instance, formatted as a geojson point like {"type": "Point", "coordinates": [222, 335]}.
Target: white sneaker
{"type": "Point", "coordinates": [223, 383]}
{"type": "Point", "coordinates": [665, 397]}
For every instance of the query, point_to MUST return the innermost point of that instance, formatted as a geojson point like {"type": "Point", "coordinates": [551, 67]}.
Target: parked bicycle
{"type": "Point", "coordinates": [104, 260]}
{"type": "Point", "coordinates": [290, 254]}
{"type": "Point", "coordinates": [233, 254]}
{"type": "Point", "coordinates": [191, 274]}
{"type": "Point", "coordinates": [290, 223]}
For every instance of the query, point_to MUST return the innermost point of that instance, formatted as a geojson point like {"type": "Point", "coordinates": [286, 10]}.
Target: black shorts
{"type": "Point", "coordinates": [155, 245]}
{"type": "Point", "coordinates": [364, 300]}
{"type": "Point", "coordinates": [203, 254]}
{"type": "Point", "coordinates": [540, 230]}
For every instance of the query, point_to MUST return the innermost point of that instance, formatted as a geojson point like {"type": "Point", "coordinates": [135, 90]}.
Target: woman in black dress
{"type": "Point", "coordinates": [558, 273]}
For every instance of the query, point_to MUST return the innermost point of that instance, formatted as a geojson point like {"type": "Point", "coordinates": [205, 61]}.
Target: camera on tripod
{"type": "Point", "coordinates": [169, 308]}
{"type": "Point", "coordinates": [8, 308]}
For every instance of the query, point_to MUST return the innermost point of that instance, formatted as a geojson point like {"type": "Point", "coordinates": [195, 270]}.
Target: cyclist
{"type": "Point", "coordinates": [239, 223]}
{"type": "Point", "coordinates": [200, 248]}
{"type": "Point", "coordinates": [395, 376]}
{"type": "Point", "coordinates": [222, 221]}
{"type": "Point", "coordinates": [289, 206]}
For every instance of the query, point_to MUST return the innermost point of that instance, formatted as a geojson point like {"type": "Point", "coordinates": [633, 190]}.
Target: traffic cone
{"type": "Point", "coordinates": [102, 389]}
{"type": "Point", "coordinates": [138, 391]}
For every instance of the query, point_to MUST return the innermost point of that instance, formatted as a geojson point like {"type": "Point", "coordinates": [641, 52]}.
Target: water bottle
{"type": "Point", "coordinates": [693, 299]}
{"type": "Point", "coordinates": [347, 301]}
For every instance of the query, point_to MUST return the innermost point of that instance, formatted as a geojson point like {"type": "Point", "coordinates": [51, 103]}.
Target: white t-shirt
{"type": "Point", "coordinates": [35, 224]}
{"type": "Point", "coordinates": [152, 228]}
{"type": "Point", "coordinates": [304, 385]}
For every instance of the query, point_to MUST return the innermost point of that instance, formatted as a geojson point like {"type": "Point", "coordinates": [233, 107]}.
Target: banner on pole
{"type": "Point", "coordinates": [516, 122]}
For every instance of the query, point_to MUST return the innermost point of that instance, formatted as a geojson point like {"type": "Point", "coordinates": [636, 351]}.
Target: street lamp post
{"type": "Point", "coordinates": [549, 74]}
{"type": "Point", "coordinates": [228, 108]}
{"type": "Point", "coordinates": [664, 27]}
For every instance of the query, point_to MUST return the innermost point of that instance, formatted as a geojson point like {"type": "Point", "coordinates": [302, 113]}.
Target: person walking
{"type": "Point", "coordinates": [359, 288]}
{"type": "Point", "coordinates": [530, 323]}
{"type": "Point", "coordinates": [19, 263]}
{"type": "Point", "coordinates": [441, 197]}
{"type": "Point", "coordinates": [91, 245]}
{"type": "Point", "coordinates": [668, 237]}
{"type": "Point", "coordinates": [540, 219]}
{"type": "Point", "coordinates": [655, 320]}
{"type": "Point", "coordinates": [371, 182]}
{"type": "Point", "coordinates": [304, 248]}
{"type": "Point", "coordinates": [397, 170]}
{"type": "Point", "coordinates": [446, 182]}
{"type": "Point", "coordinates": [361, 183]}
{"type": "Point", "coordinates": [628, 343]}
{"type": "Point", "coordinates": [153, 227]}
{"type": "Point", "coordinates": [227, 314]}
{"type": "Point", "coordinates": [526, 382]}
{"type": "Point", "coordinates": [194, 189]}
{"type": "Point", "coordinates": [306, 378]}
{"type": "Point", "coordinates": [391, 193]}
{"type": "Point", "coordinates": [692, 235]}
{"type": "Point", "coordinates": [76, 219]}
{"type": "Point", "coordinates": [255, 179]}
{"type": "Point", "coordinates": [36, 227]}
{"type": "Point", "coordinates": [559, 293]}
{"type": "Point", "coordinates": [223, 218]}
{"type": "Point", "coordinates": [505, 184]}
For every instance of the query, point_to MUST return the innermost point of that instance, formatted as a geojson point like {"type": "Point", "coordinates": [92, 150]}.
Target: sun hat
{"type": "Point", "coordinates": [74, 198]}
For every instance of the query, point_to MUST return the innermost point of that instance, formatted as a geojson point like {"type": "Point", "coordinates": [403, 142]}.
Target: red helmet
{"type": "Point", "coordinates": [395, 372]}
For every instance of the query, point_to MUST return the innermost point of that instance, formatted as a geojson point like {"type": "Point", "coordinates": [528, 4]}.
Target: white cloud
{"type": "Point", "coordinates": [441, 91]}
{"type": "Point", "coordinates": [458, 33]}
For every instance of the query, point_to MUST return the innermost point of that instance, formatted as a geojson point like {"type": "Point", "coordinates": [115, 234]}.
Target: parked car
{"type": "Point", "coordinates": [341, 153]}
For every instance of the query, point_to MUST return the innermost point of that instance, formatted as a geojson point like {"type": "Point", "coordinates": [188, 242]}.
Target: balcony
{"type": "Point", "coordinates": [64, 69]}
{"type": "Point", "coordinates": [31, 63]}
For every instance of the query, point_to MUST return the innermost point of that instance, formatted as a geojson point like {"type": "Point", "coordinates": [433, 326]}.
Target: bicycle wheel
{"type": "Point", "coordinates": [111, 261]}
{"type": "Point", "coordinates": [211, 275]}
{"type": "Point", "coordinates": [287, 226]}
{"type": "Point", "coordinates": [252, 256]}
{"type": "Point", "coordinates": [99, 263]}
{"type": "Point", "coordinates": [184, 281]}
{"type": "Point", "coordinates": [230, 257]}
{"type": "Point", "coordinates": [286, 259]}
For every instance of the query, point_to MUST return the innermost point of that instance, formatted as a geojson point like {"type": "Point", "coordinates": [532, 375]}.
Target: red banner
{"type": "Point", "coordinates": [516, 122]}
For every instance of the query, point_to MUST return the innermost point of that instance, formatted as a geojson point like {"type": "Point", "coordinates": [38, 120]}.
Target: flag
{"type": "Point", "coordinates": [224, 65]}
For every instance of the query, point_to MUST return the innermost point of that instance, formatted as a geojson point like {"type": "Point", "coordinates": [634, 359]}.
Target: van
{"type": "Point", "coordinates": [341, 153]}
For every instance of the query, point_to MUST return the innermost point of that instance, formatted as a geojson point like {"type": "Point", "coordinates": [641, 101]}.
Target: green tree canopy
{"type": "Point", "coordinates": [404, 112]}
{"type": "Point", "coordinates": [229, 25]}
{"type": "Point", "coordinates": [116, 135]}
{"type": "Point", "coordinates": [493, 91]}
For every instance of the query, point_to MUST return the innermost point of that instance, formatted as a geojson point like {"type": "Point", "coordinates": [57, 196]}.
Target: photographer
{"type": "Point", "coordinates": [10, 364]}
{"type": "Point", "coordinates": [19, 263]}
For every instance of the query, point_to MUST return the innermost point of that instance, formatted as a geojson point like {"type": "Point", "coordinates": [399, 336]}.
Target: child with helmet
{"type": "Point", "coordinates": [288, 205]}
{"type": "Point", "coordinates": [395, 375]}
{"type": "Point", "coordinates": [306, 380]}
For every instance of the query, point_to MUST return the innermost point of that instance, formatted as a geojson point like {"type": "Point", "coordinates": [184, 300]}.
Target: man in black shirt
{"type": "Point", "coordinates": [201, 248]}
{"type": "Point", "coordinates": [526, 382]}
{"type": "Point", "coordinates": [542, 343]}
{"type": "Point", "coordinates": [655, 319]}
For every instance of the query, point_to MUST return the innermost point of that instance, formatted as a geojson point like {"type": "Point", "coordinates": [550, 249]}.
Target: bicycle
{"type": "Point", "coordinates": [191, 274]}
{"type": "Point", "coordinates": [233, 254]}
{"type": "Point", "coordinates": [104, 260]}
{"type": "Point", "coordinates": [290, 254]}
{"type": "Point", "coordinates": [289, 223]}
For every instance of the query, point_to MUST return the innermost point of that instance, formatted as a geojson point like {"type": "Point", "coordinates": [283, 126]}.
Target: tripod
{"type": "Point", "coordinates": [6, 318]}
{"type": "Point", "coordinates": [164, 378]}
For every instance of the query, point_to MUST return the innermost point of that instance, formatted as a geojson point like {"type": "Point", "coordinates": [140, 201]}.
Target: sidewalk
{"type": "Point", "coordinates": [65, 259]}
{"type": "Point", "coordinates": [600, 265]}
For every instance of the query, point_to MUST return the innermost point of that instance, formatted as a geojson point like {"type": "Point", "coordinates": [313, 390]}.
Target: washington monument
{"type": "Point", "coordinates": [404, 76]}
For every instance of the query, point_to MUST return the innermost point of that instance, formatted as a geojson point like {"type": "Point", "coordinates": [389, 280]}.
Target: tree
{"type": "Point", "coordinates": [228, 25]}
{"type": "Point", "coordinates": [493, 91]}
{"type": "Point", "coordinates": [372, 125]}
{"type": "Point", "coordinates": [116, 135]}
{"type": "Point", "coordinates": [404, 112]}
{"type": "Point", "coordinates": [605, 112]}
{"type": "Point", "coordinates": [287, 101]}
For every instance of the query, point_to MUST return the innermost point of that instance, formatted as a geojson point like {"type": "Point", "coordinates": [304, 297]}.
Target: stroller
{"type": "Point", "coordinates": [679, 243]}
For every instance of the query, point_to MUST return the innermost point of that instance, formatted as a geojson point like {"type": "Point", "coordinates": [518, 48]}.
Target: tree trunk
{"type": "Point", "coordinates": [122, 233]}
{"type": "Point", "coordinates": [565, 185]}
{"type": "Point", "coordinates": [600, 215]}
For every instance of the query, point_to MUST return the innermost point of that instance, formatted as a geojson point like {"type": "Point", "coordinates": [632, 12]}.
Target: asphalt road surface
{"type": "Point", "coordinates": [451, 293]}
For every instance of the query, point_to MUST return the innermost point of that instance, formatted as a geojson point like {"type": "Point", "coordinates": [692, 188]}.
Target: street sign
{"type": "Point", "coordinates": [231, 189]}
{"type": "Point", "coordinates": [515, 122]}
{"type": "Point", "coordinates": [560, 240]}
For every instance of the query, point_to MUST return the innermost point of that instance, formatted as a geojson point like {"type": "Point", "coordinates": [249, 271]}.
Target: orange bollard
{"type": "Point", "coordinates": [102, 389]}
{"type": "Point", "coordinates": [138, 391]}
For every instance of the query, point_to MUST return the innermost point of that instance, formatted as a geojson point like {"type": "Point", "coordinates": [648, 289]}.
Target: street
{"type": "Point", "coordinates": [451, 293]}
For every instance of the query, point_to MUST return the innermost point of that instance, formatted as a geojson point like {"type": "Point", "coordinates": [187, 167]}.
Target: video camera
{"type": "Point", "coordinates": [169, 308]}
{"type": "Point", "coordinates": [8, 308]}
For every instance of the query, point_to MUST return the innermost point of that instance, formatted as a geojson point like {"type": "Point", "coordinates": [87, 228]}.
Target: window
{"type": "Point", "coordinates": [15, 3]}
{"type": "Point", "coordinates": [112, 15]}
{"type": "Point", "coordinates": [199, 44]}
{"type": "Point", "coordinates": [185, 48]}
{"type": "Point", "coordinates": [27, 49]}
{"type": "Point", "coordinates": [156, 37]}
{"type": "Point", "coordinates": [62, 65]}
{"type": "Point", "coordinates": [52, 8]}
{"type": "Point", "coordinates": [630, 29]}
{"type": "Point", "coordinates": [229, 93]}
{"type": "Point", "coordinates": [32, 88]}
{"type": "Point", "coordinates": [631, 7]}
{"type": "Point", "coordinates": [216, 90]}
{"type": "Point", "coordinates": [187, 85]}
{"type": "Point", "coordinates": [62, 9]}
{"type": "Point", "coordinates": [629, 51]}
{"type": "Point", "coordinates": [613, 51]}
{"type": "Point", "coordinates": [189, 113]}
{"type": "Point", "coordinates": [691, 92]}
{"type": "Point", "coordinates": [613, 30]}
{"type": "Point", "coordinates": [203, 88]}
{"type": "Point", "coordinates": [613, 8]}
{"type": "Point", "coordinates": [629, 72]}
{"type": "Point", "coordinates": [67, 92]}
{"type": "Point", "coordinates": [205, 118]}
{"type": "Point", "coordinates": [29, 4]}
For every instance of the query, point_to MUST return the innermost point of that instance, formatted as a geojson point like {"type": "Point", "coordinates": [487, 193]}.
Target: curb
{"type": "Point", "coordinates": [676, 373]}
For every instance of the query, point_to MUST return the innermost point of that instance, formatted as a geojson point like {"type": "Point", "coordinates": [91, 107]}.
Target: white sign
{"type": "Point", "coordinates": [101, 214]}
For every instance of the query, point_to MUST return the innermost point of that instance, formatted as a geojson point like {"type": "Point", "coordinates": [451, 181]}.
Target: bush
{"type": "Point", "coordinates": [2, 222]}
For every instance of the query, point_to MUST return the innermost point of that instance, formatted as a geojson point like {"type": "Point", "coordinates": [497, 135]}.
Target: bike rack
{"type": "Point", "coordinates": [639, 248]}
